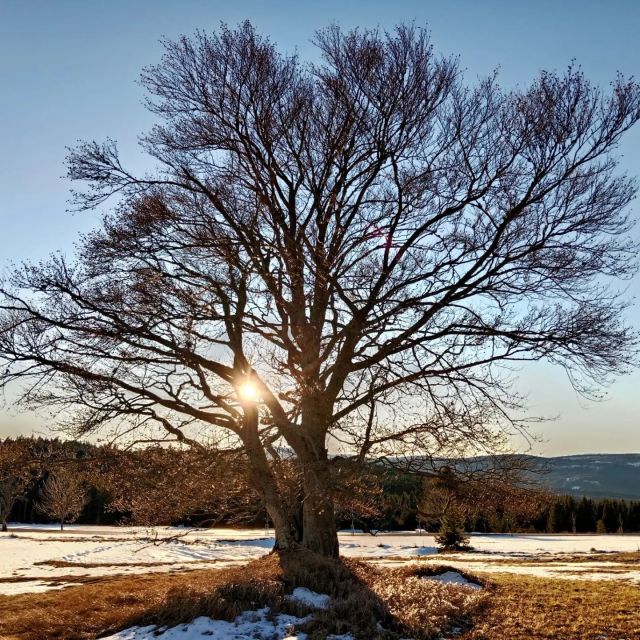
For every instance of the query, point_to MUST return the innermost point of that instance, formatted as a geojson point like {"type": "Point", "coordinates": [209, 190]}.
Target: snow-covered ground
{"type": "Point", "coordinates": [39, 558]}
{"type": "Point", "coordinates": [260, 623]}
{"type": "Point", "coordinates": [36, 558]}
{"type": "Point", "coordinates": [498, 544]}
{"type": "Point", "coordinates": [453, 577]}
{"type": "Point", "coordinates": [250, 624]}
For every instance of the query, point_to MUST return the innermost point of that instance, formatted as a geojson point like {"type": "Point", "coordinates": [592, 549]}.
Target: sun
{"type": "Point", "coordinates": [248, 392]}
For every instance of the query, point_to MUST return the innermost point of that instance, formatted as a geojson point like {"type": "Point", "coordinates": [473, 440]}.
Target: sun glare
{"type": "Point", "coordinates": [249, 392]}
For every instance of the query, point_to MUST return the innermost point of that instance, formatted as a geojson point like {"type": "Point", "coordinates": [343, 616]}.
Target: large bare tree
{"type": "Point", "coordinates": [341, 254]}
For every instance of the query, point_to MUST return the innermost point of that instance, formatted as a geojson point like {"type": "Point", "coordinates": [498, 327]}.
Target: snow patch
{"type": "Point", "coordinates": [250, 624]}
{"type": "Point", "coordinates": [28, 554]}
{"type": "Point", "coordinates": [453, 577]}
{"type": "Point", "coordinates": [310, 598]}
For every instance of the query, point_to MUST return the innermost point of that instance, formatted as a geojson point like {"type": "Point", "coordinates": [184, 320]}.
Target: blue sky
{"type": "Point", "coordinates": [68, 71]}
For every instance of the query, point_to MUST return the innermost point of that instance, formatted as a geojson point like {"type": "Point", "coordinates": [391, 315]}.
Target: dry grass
{"type": "Point", "coordinates": [626, 557]}
{"type": "Point", "coordinates": [51, 580]}
{"type": "Point", "coordinates": [371, 602]}
{"type": "Point", "coordinates": [527, 608]}
{"type": "Point", "coordinates": [365, 598]}
{"type": "Point", "coordinates": [109, 604]}
{"type": "Point", "coordinates": [66, 564]}
{"type": "Point", "coordinates": [364, 595]}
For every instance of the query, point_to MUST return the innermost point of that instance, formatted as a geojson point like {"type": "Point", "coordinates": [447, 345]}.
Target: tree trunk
{"type": "Point", "coordinates": [319, 530]}
{"type": "Point", "coordinates": [319, 533]}
{"type": "Point", "coordinates": [263, 480]}
{"type": "Point", "coordinates": [316, 529]}
{"type": "Point", "coordinates": [61, 525]}
{"type": "Point", "coordinates": [287, 534]}
{"type": "Point", "coordinates": [4, 525]}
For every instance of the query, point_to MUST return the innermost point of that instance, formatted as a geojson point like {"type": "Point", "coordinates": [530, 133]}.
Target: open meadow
{"type": "Point", "coordinates": [134, 583]}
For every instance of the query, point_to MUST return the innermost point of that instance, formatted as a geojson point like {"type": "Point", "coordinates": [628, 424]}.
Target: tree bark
{"type": "Point", "coordinates": [287, 534]}
{"type": "Point", "coordinates": [4, 526]}
{"type": "Point", "coordinates": [263, 480]}
{"type": "Point", "coordinates": [319, 532]}
{"type": "Point", "coordinates": [319, 528]}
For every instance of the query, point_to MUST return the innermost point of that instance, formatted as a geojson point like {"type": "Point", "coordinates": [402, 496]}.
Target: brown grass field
{"type": "Point", "coordinates": [510, 607]}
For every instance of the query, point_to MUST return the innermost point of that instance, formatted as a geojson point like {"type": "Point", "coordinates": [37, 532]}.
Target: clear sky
{"type": "Point", "coordinates": [68, 71]}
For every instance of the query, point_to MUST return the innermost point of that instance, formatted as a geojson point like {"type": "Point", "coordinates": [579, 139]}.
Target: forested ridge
{"type": "Point", "coordinates": [383, 499]}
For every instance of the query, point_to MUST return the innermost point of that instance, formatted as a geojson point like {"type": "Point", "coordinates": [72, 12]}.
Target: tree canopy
{"type": "Point", "coordinates": [337, 254]}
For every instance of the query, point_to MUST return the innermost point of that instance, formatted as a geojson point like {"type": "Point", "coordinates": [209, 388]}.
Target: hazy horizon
{"type": "Point", "coordinates": [69, 69]}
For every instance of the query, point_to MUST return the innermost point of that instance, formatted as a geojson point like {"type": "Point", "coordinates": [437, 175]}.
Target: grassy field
{"type": "Point", "coordinates": [527, 608]}
{"type": "Point", "coordinates": [509, 606]}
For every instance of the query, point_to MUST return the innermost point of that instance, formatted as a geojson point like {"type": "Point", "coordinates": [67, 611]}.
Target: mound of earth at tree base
{"type": "Point", "coordinates": [308, 595]}
{"type": "Point", "coordinates": [281, 592]}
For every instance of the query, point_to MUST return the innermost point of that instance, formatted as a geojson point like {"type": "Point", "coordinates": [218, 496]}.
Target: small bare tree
{"type": "Point", "coordinates": [14, 476]}
{"type": "Point", "coordinates": [63, 497]}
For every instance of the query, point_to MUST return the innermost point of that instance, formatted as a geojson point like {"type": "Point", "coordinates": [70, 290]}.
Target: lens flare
{"type": "Point", "coordinates": [249, 392]}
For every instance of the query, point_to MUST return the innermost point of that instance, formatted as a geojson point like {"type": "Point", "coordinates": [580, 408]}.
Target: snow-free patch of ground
{"type": "Point", "coordinates": [37, 558]}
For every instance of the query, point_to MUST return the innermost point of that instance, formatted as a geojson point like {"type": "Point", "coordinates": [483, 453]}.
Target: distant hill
{"type": "Point", "coordinates": [595, 475]}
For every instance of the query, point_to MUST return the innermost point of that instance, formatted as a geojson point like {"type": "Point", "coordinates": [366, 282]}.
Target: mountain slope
{"type": "Point", "coordinates": [595, 475]}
